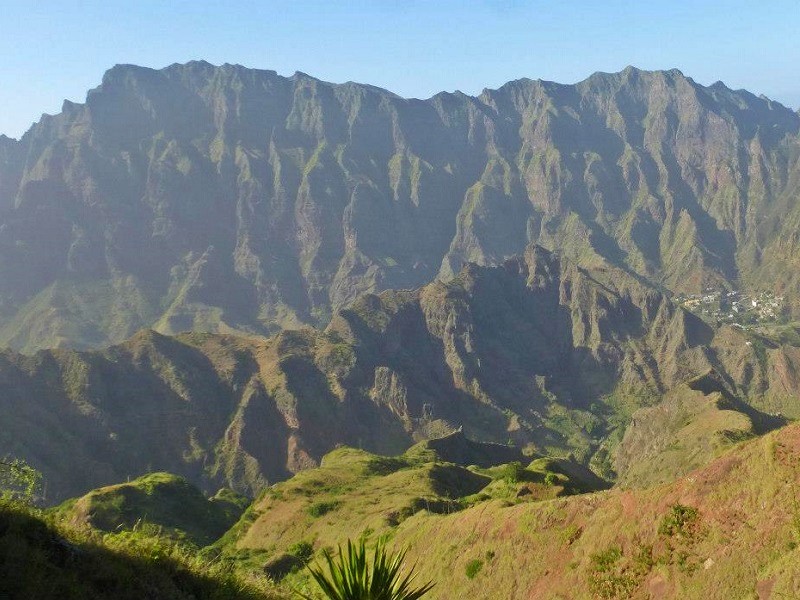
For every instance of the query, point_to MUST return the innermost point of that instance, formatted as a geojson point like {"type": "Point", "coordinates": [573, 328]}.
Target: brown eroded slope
{"type": "Point", "coordinates": [537, 351]}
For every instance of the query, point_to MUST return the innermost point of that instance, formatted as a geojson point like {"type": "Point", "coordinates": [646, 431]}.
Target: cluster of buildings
{"type": "Point", "coordinates": [736, 307]}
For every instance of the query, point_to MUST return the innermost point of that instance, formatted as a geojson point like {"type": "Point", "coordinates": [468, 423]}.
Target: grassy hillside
{"type": "Point", "coordinates": [685, 431]}
{"type": "Point", "coordinates": [726, 530]}
{"type": "Point", "coordinates": [158, 500]}
{"type": "Point", "coordinates": [356, 494]}
{"type": "Point", "coordinates": [543, 529]}
{"type": "Point", "coordinates": [41, 559]}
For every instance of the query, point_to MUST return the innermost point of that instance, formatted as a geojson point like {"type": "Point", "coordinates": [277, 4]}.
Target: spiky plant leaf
{"type": "Point", "coordinates": [352, 576]}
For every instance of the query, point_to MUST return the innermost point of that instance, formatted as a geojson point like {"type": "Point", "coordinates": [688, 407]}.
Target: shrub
{"type": "Point", "coordinates": [513, 472]}
{"type": "Point", "coordinates": [302, 550]}
{"type": "Point", "coordinates": [352, 576]}
{"type": "Point", "coordinates": [603, 562]}
{"type": "Point", "coordinates": [473, 568]}
{"type": "Point", "coordinates": [321, 508]}
{"type": "Point", "coordinates": [384, 465]}
{"type": "Point", "coordinates": [609, 576]}
{"type": "Point", "coordinates": [18, 481]}
{"type": "Point", "coordinates": [680, 520]}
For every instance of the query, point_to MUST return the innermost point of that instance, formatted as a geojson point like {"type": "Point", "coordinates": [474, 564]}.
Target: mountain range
{"type": "Point", "coordinates": [538, 353]}
{"type": "Point", "coordinates": [227, 199]}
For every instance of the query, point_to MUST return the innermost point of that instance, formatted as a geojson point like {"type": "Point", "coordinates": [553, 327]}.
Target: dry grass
{"type": "Point", "coordinates": [746, 537]}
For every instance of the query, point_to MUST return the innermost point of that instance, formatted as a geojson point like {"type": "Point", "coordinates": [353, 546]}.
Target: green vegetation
{"type": "Point", "coordinates": [351, 575]}
{"type": "Point", "coordinates": [513, 472]}
{"type": "Point", "coordinates": [473, 567]}
{"type": "Point", "coordinates": [607, 545]}
{"type": "Point", "coordinates": [302, 550]}
{"type": "Point", "coordinates": [19, 482]}
{"type": "Point", "coordinates": [614, 573]}
{"type": "Point", "coordinates": [611, 575]}
{"type": "Point", "coordinates": [351, 494]}
{"type": "Point", "coordinates": [322, 508]}
{"type": "Point", "coordinates": [385, 465]}
{"type": "Point", "coordinates": [44, 559]}
{"type": "Point", "coordinates": [162, 501]}
{"type": "Point", "coordinates": [737, 531]}
{"type": "Point", "coordinates": [359, 495]}
{"type": "Point", "coordinates": [681, 521]}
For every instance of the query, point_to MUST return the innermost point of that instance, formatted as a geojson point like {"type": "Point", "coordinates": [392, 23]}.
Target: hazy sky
{"type": "Point", "coordinates": [53, 50]}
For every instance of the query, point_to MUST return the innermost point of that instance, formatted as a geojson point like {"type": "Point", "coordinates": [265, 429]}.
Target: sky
{"type": "Point", "coordinates": [55, 50]}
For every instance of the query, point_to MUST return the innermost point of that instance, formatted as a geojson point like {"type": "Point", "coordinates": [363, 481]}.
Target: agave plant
{"type": "Point", "coordinates": [352, 576]}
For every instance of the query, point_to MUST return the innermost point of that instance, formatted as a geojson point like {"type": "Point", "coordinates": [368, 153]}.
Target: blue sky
{"type": "Point", "coordinates": [53, 50]}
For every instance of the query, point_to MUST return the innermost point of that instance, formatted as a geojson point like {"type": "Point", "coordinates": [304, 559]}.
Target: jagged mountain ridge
{"type": "Point", "coordinates": [537, 351]}
{"type": "Point", "coordinates": [231, 199]}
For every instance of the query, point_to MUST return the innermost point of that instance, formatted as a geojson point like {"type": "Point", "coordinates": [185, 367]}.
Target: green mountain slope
{"type": "Point", "coordinates": [159, 500]}
{"type": "Point", "coordinates": [41, 559]}
{"type": "Point", "coordinates": [352, 493]}
{"type": "Point", "coordinates": [229, 199]}
{"type": "Point", "coordinates": [727, 530]}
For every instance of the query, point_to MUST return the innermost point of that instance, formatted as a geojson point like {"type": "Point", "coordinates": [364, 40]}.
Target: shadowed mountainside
{"type": "Point", "coordinates": [538, 351]}
{"type": "Point", "coordinates": [42, 559]}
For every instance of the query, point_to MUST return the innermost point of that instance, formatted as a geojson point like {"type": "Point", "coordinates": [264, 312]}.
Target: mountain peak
{"type": "Point", "coordinates": [198, 64]}
{"type": "Point", "coordinates": [302, 75]}
{"type": "Point", "coordinates": [631, 73]}
{"type": "Point", "coordinates": [125, 68]}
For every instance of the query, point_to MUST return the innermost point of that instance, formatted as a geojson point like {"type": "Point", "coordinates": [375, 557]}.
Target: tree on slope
{"type": "Point", "coordinates": [19, 482]}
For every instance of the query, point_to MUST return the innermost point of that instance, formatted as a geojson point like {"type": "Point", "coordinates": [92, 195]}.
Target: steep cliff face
{"type": "Point", "coordinates": [538, 351]}
{"type": "Point", "coordinates": [225, 198]}
{"type": "Point", "coordinates": [11, 163]}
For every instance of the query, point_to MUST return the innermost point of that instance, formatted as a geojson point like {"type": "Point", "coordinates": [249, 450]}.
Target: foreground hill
{"type": "Point", "coordinates": [539, 352]}
{"type": "Point", "coordinates": [728, 529]}
{"type": "Point", "coordinates": [225, 198]}
{"type": "Point", "coordinates": [41, 559]}
{"type": "Point", "coordinates": [354, 493]}
{"type": "Point", "coordinates": [161, 500]}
